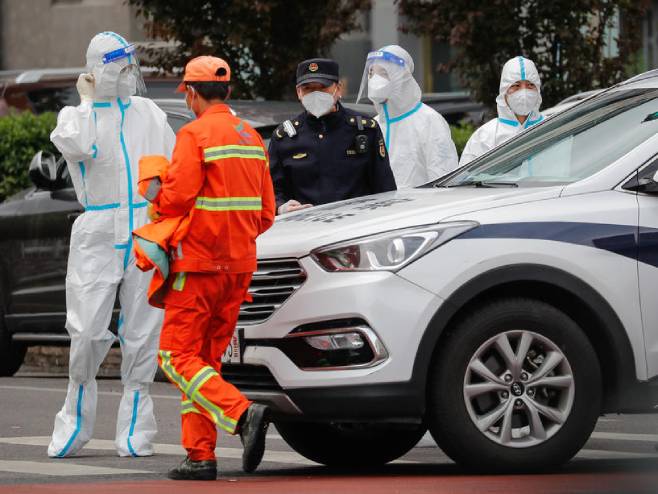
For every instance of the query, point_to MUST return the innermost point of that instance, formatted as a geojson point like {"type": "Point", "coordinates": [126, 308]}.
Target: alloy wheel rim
{"type": "Point", "coordinates": [519, 389]}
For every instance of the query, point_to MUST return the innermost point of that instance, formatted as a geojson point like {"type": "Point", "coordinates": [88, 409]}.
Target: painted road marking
{"type": "Point", "coordinates": [286, 457]}
{"type": "Point", "coordinates": [102, 393]}
{"type": "Point", "coordinates": [621, 436]}
{"type": "Point", "coordinates": [428, 442]}
{"type": "Point", "coordinates": [281, 457]}
{"type": "Point", "coordinates": [61, 468]}
{"type": "Point", "coordinates": [604, 454]}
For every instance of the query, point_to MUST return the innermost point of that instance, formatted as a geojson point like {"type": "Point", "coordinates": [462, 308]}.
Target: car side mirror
{"type": "Point", "coordinates": [48, 173]}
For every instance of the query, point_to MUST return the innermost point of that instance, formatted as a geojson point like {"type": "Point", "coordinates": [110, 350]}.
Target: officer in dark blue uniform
{"type": "Point", "coordinates": [328, 153]}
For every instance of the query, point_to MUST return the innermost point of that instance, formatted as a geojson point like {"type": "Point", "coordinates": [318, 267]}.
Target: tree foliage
{"type": "Point", "coordinates": [262, 40]}
{"type": "Point", "coordinates": [21, 136]}
{"type": "Point", "coordinates": [567, 39]}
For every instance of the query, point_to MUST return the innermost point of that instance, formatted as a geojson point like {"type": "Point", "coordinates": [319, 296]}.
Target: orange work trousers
{"type": "Point", "coordinates": [201, 311]}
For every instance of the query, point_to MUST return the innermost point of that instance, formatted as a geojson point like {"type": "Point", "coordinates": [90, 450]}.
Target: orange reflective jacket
{"type": "Point", "coordinates": [219, 176]}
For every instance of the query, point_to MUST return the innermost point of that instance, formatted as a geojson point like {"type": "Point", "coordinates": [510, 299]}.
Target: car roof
{"type": "Point", "coordinates": [450, 96]}
{"type": "Point", "coordinates": [650, 78]}
{"type": "Point", "coordinates": [65, 73]}
{"type": "Point", "coordinates": [255, 113]}
{"type": "Point", "coordinates": [258, 113]}
{"type": "Point", "coordinates": [579, 96]}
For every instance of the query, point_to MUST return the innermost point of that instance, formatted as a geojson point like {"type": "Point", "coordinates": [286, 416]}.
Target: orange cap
{"type": "Point", "coordinates": [205, 69]}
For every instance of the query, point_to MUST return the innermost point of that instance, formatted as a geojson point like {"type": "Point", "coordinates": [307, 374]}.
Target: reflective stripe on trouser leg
{"type": "Point", "coordinates": [192, 390]}
{"type": "Point", "coordinates": [188, 406]}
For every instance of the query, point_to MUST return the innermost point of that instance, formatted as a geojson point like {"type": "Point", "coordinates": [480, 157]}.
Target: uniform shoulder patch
{"type": "Point", "coordinates": [382, 148]}
{"type": "Point", "coordinates": [279, 133]}
{"type": "Point", "coordinates": [287, 128]}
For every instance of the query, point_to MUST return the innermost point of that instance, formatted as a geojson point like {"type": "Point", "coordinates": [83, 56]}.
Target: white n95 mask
{"type": "Point", "coordinates": [523, 101]}
{"type": "Point", "coordinates": [379, 88]}
{"type": "Point", "coordinates": [106, 79]}
{"type": "Point", "coordinates": [127, 81]}
{"type": "Point", "coordinates": [318, 103]}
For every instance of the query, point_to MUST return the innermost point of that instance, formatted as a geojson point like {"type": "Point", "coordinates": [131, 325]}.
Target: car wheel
{"type": "Point", "coordinates": [12, 354]}
{"type": "Point", "coordinates": [350, 445]}
{"type": "Point", "coordinates": [516, 386]}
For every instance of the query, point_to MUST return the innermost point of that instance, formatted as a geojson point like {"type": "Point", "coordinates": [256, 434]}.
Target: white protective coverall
{"type": "Point", "coordinates": [500, 129]}
{"type": "Point", "coordinates": [418, 138]}
{"type": "Point", "coordinates": [102, 141]}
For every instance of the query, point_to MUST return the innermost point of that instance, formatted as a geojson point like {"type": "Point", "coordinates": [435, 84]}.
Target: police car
{"type": "Point", "coordinates": [504, 307]}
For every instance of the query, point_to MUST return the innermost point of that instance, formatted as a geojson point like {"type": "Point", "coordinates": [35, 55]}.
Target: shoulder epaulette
{"type": "Point", "coordinates": [361, 122]}
{"type": "Point", "coordinates": [287, 128]}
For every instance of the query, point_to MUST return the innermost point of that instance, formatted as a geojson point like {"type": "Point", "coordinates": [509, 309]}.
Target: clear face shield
{"type": "Point", "coordinates": [382, 71]}
{"type": "Point", "coordinates": [119, 74]}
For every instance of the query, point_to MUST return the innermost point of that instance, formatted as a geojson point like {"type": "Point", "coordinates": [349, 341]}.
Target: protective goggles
{"type": "Point", "coordinates": [379, 56]}
{"type": "Point", "coordinates": [121, 53]}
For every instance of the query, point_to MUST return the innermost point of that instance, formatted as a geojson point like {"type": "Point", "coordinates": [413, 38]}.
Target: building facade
{"type": "Point", "coordinates": [40, 34]}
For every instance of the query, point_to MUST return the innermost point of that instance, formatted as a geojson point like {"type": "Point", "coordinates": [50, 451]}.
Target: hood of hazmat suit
{"type": "Point", "coordinates": [417, 137]}
{"type": "Point", "coordinates": [504, 127]}
{"type": "Point", "coordinates": [102, 141]}
{"type": "Point", "coordinates": [114, 65]}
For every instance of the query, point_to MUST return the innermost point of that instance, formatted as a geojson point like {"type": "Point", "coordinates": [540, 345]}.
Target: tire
{"type": "Point", "coordinates": [537, 418]}
{"type": "Point", "coordinates": [350, 445]}
{"type": "Point", "coordinates": [12, 354]}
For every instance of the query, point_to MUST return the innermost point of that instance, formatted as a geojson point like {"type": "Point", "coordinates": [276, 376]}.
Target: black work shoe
{"type": "Point", "coordinates": [194, 470]}
{"type": "Point", "coordinates": [252, 435]}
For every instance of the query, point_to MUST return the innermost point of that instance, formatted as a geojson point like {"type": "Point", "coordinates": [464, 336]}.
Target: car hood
{"type": "Point", "coordinates": [296, 234]}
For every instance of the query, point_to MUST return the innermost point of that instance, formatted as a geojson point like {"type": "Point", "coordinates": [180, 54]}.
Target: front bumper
{"type": "Point", "coordinates": [396, 310]}
{"type": "Point", "coordinates": [391, 402]}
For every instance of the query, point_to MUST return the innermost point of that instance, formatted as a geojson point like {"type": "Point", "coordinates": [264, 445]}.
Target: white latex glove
{"type": "Point", "coordinates": [85, 87]}
{"type": "Point", "coordinates": [292, 205]}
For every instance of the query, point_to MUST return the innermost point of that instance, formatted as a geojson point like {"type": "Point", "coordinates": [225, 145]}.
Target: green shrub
{"type": "Point", "coordinates": [460, 135]}
{"type": "Point", "coordinates": [21, 136]}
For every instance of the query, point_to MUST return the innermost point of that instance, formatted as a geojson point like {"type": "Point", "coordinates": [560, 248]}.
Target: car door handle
{"type": "Point", "coordinates": [72, 216]}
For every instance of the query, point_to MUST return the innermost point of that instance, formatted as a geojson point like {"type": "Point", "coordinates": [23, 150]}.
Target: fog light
{"type": "Point", "coordinates": [339, 344]}
{"type": "Point", "coordinates": [344, 341]}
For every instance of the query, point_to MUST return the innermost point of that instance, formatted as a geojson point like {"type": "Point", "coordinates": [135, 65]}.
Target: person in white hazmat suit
{"type": "Point", "coordinates": [102, 140]}
{"type": "Point", "coordinates": [518, 105]}
{"type": "Point", "coordinates": [418, 138]}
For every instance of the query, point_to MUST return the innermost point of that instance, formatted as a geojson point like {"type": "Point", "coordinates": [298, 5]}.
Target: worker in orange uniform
{"type": "Point", "coordinates": [219, 178]}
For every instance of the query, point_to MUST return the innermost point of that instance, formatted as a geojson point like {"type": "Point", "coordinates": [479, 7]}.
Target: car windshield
{"type": "Point", "coordinates": [569, 147]}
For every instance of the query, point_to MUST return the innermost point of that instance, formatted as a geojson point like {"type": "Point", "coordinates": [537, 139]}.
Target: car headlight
{"type": "Point", "coordinates": [389, 251]}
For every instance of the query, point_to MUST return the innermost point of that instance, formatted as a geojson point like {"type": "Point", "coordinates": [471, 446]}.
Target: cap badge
{"type": "Point", "coordinates": [313, 67]}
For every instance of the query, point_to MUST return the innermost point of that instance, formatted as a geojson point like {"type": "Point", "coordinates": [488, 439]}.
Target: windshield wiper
{"type": "Point", "coordinates": [481, 183]}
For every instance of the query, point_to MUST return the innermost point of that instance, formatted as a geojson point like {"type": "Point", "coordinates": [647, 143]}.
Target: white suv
{"type": "Point", "coordinates": [504, 307]}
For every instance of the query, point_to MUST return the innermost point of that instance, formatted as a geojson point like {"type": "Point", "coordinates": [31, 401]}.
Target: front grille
{"type": "Point", "coordinates": [250, 377]}
{"type": "Point", "coordinates": [273, 282]}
